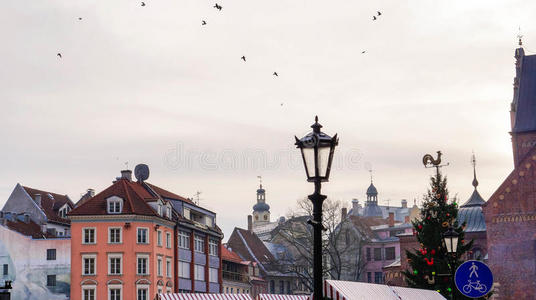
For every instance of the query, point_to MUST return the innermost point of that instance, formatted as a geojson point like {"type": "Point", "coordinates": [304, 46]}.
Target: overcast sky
{"type": "Point", "coordinates": [151, 85]}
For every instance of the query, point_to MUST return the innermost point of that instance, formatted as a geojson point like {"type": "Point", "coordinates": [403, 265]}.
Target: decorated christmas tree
{"type": "Point", "coordinates": [431, 266]}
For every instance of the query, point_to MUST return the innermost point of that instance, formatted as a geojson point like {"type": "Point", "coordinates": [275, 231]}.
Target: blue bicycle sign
{"type": "Point", "coordinates": [473, 279]}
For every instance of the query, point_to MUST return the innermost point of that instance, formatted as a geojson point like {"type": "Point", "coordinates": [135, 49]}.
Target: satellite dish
{"type": "Point", "coordinates": [141, 172]}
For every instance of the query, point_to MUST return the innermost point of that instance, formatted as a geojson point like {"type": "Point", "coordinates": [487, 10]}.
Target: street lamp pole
{"type": "Point", "coordinates": [317, 150]}
{"type": "Point", "coordinates": [450, 238]}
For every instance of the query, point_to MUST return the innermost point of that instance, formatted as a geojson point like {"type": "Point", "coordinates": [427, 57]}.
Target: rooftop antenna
{"type": "Point", "coordinates": [520, 36]}
{"type": "Point", "coordinates": [126, 165]}
{"type": "Point", "coordinates": [197, 199]}
{"type": "Point", "coordinates": [260, 180]}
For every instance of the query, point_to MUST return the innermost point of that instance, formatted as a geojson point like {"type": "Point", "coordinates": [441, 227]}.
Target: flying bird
{"type": "Point", "coordinates": [203, 22]}
{"type": "Point", "coordinates": [243, 58]}
{"type": "Point", "coordinates": [79, 18]}
{"type": "Point", "coordinates": [374, 18]}
{"type": "Point", "coordinates": [275, 74]}
{"type": "Point", "coordinates": [363, 52]}
{"type": "Point", "coordinates": [281, 104]}
{"type": "Point", "coordinates": [217, 6]}
{"type": "Point", "coordinates": [59, 55]}
{"type": "Point", "coordinates": [379, 13]}
{"type": "Point", "coordinates": [143, 4]}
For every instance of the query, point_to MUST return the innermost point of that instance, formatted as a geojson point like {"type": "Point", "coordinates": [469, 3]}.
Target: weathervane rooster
{"type": "Point", "coordinates": [429, 160]}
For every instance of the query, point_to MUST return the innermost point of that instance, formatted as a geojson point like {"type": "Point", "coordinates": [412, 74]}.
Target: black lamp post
{"type": "Point", "coordinates": [450, 238]}
{"type": "Point", "coordinates": [317, 152]}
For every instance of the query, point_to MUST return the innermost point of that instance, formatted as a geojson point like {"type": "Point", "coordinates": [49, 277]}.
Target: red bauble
{"type": "Point", "coordinates": [420, 226]}
{"type": "Point", "coordinates": [429, 262]}
{"type": "Point", "coordinates": [432, 252]}
{"type": "Point", "coordinates": [448, 215]}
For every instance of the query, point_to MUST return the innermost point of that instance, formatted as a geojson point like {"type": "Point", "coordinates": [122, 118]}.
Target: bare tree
{"type": "Point", "coordinates": [342, 243]}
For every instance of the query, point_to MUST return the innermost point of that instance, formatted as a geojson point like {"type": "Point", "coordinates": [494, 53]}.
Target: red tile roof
{"type": "Point", "coordinates": [229, 255]}
{"type": "Point", "coordinates": [167, 194]}
{"type": "Point", "coordinates": [133, 194]}
{"type": "Point", "coordinates": [253, 245]}
{"type": "Point", "coordinates": [51, 203]}
{"type": "Point", "coordinates": [29, 229]}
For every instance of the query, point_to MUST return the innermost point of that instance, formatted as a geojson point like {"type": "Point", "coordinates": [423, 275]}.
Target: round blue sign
{"type": "Point", "coordinates": [473, 279]}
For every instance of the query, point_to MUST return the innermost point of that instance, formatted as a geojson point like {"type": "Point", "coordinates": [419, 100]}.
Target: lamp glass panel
{"type": "Point", "coordinates": [454, 243]}
{"type": "Point", "coordinates": [448, 244]}
{"type": "Point", "coordinates": [323, 160]}
{"type": "Point", "coordinates": [309, 158]}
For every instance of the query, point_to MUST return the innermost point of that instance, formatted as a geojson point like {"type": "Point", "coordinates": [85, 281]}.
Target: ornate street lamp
{"type": "Point", "coordinates": [317, 152]}
{"type": "Point", "coordinates": [450, 238]}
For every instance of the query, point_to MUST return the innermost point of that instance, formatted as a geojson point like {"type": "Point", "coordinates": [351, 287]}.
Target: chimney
{"type": "Point", "coordinates": [37, 199]}
{"type": "Point", "coordinates": [344, 213]}
{"type": "Point", "coordinates": [406, 219]}
{"type": "Point", "coordinates": [355, 204]}
{"type": "Point", "coordinates": [250, 223]}
{"type": "Point", "coordinates": [391, 219]}
{"type": "Point", "coordinates": [404, 203]}
{"type": "Point", "coordinates": [126, 174]}
{"type": "Point", "coordinates": [91, 192]}
{"type": "Point", "coordinates": [44, 228]}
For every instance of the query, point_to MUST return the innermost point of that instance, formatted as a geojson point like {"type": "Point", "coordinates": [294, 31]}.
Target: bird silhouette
{"type": "Point", "coordinates": [143, 4]}
{"type": "Point", "coordinates": [203, 22]}
{"type": "Point", "coordinates": [79, 18]}
{"type": "Point", "coordinates": [363, 52]}
{"type": "Point", "coordinates": [281, 104]}
{"type": "Point", "coordinates": [373, 18]}
{"type": "Point", "coordinates": [275, 74]}
{"type": "Point", "coordinates": [59, 55]}
{"type": "Point", "coordinates": [379, 13]}
{"type": "Point", "coordinates": [217, 6]}
{"type": "Point", "coordinates": [243, 58]}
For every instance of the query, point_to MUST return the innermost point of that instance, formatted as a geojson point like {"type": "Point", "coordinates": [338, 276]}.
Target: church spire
{"type": "Point", "coordinates": [473, 162]}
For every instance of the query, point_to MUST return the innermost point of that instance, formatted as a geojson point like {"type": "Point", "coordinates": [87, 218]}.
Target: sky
{"type": "Point", "coordinates": [152, 85]}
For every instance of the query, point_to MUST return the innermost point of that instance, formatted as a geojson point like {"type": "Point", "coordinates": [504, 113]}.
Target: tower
{"type": "Point", "coordinates": [261, 210]}
{"type": "Point", "coordinates": [371, 205]}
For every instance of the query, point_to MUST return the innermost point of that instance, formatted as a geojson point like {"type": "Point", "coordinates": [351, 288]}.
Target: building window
{"type": "Point", "coordinates": [115, 293]}
{"type": "Point", "coordinates": [88, 293]}
{"type": "Point", "coordinates": [168, 240]}
{"type": "Point", "coordinates": [143, 235]}
{"type": "Point", "coordinates": [51, 280]}
{"type": "Point", "coordinates": [159, 238]}
{"type": "Point", "coordinates": [142, 293]}
{"type": "Point", "coordinates": [389, 253]}
{"type": "Point", "coordinates": [143, 264]}
{"type": "Point", "coordinates": [168, 267]}
{"type": "Point", "coordinates": [88, 264]}
{"type": "Point", "coordinates": [227, 290]}
{"type": "Point", "coordinates": [160, 209]}
{"type": "Point", "coordinates": [88, 235]}
{"type": "Point", "coordinates": [184, 269]}
{"type": "Point", "coordinates": [377, 253]}
{"type": "Point", "coordinates": [168, 212]}
{"type": "Point", "coordinates": [368, 255]}
{"type": "Point", "coordinates": [272, 287]}
{"type": "Point", "coordinates": [115, 205]}
{"type": "Point", "coordinates": [159, 266]}
{"type": "Point", "coordinates": [377, 277]}
{"type": "Point", "coordinates": [51, 254]}
{"type": "Point", "coordinates": [213, 275]}
{"type": "Point", "coordinates": [231, 290]}
{"type": "Point", "coordinates": [213, 247]}
{"type": "Point", "coordinates": [199, 273]}
{"type": "Point", "coordinates": [6, 269]}
{"type": "Point", "coordinates": [199, 244]}
{"type": "Point", "coordinates": [281, 287]}
{"type": "Point", "coordinates": [184, 240]}
{"type": "Point", "coordinates": [288, 288]}
{"type": "Point", "coordinates": [369, 277]}
{"type": "Point", "coordinates": [114, 264]}
{"type": "Point", "coordinates": [114, 235]}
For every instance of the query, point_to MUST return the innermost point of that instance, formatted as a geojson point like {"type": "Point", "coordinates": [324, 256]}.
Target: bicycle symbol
{"type": "Point", "coordinates": [477, 286]}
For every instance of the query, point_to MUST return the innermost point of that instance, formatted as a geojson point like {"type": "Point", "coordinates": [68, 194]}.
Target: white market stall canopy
{"type": "Point", "coordinates": [348, 290]}
{"type": "Point", "coordinates": [199, 296]}
{"type": "Point", "coordinates": [281, 297]}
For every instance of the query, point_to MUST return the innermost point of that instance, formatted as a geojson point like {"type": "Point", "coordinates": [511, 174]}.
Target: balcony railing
{"type": "Point", "coordinates": [234, 276]}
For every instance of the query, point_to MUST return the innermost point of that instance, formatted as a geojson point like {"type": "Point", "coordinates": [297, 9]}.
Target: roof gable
{"type": "Point", "coordinates": [51, 203]}
{"type": "Point", "coordinates": [525, 119]}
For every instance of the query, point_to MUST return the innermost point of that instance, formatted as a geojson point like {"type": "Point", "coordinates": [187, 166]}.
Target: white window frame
{"type": "Point", "coordinates": [168, 267]}
{"type": "Point", "coordinates": [168, 212]}
{"type": "Point", "coordinates": [159, 238]}
{"type": "Point", "coordinates": [147, 264]}
{"type": "Point", "coordinates": [212, 247]}
{"type": "Point", "coordinates": [168, 240]}
{"type": "Point", "coordinates": [213, 275]}
{"type": "Point", "coordinates": [115, 255]}
{"type": "Point", "coordinates": [89, 287]}
{"type": "Point", "coordinates": [84, 235]}
{"type": "Point", "coordinates": [159, 266]}
{"type": "Point", "coordinates": [110, 235]}
{"type": "Point", "coordinates": [197, 272]}
{"type": "Point", "coordinates": [160, 209]}
{"type": "Point", "coordinates": [183, 271]}
{"type": "Point", "coordinates": [143, 287]}
{"type": "Point", "coordinates": [199, 241]}
{"type": "Point", "coordinates": [184, 239]}
{"type": "Point", "coordinates": [114, 199]}
{"type": "Point", "coordinates": [115, 286]}
{"type": "Point", "coordinates": [146, 236]}
{"type": "Point", "coordinates": [89, 256]}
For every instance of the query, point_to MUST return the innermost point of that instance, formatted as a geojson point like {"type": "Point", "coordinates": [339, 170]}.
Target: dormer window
{"type": "Point", "coordinates": [168, 212]}
{"type": "Point", "coordinates": [64, 210]}
{"type": "Point", "coordinates": [115, 205]}
{"type": "Point", "coordinates": [159, 209]}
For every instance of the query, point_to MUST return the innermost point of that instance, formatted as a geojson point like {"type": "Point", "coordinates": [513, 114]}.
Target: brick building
{"type": "Point", "coordinates": [510, 213]}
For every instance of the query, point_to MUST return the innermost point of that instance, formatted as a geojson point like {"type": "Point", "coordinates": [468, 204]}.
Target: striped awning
{"type": "Point", "coordinates": [199, 296]}
{"type": "Point", "coordinates": [349, 290]}
{"type": "Point", "coordinates": [281, 297]}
